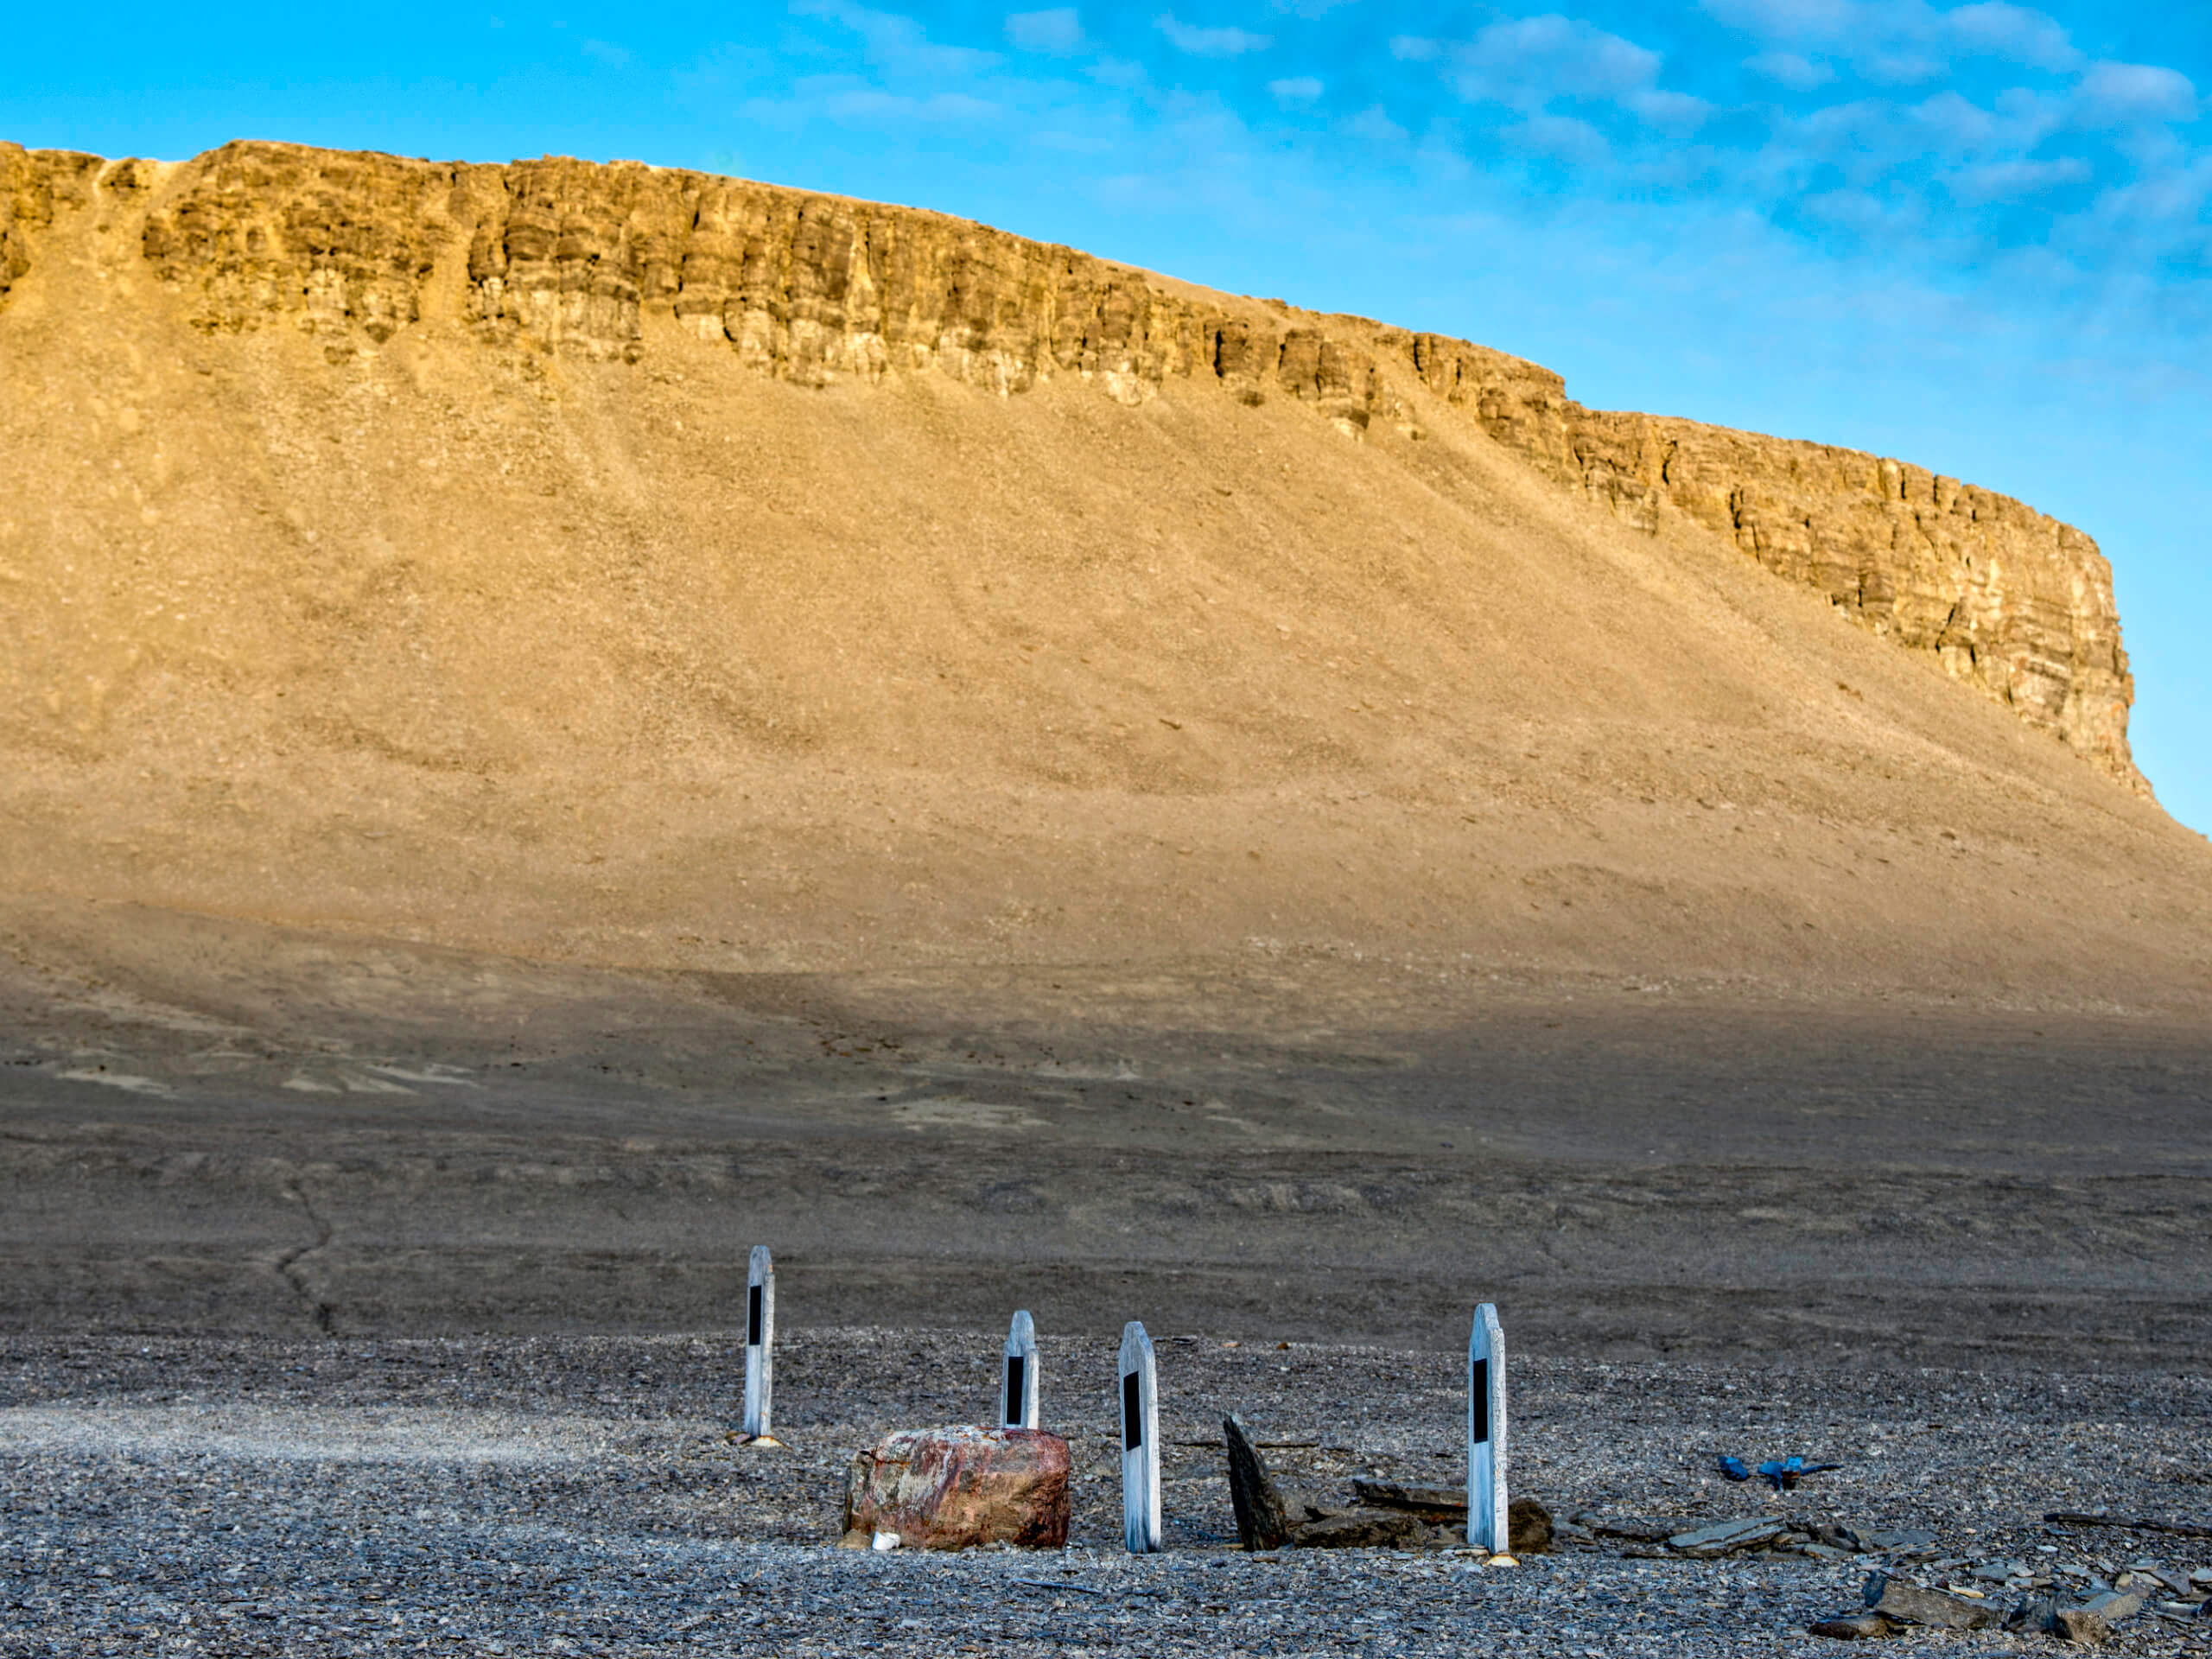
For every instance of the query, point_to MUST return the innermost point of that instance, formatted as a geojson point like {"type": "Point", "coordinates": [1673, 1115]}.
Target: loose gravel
{"type": "Point", "coordinates": [586, 1495]}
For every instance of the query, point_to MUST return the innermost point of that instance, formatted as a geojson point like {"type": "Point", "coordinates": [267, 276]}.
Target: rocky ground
{"type": "Point", "coordinates": [585, 1495]}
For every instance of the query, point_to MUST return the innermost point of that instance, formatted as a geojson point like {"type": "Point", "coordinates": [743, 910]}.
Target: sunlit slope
{"type": "Point", "coordinates": [427, 627]}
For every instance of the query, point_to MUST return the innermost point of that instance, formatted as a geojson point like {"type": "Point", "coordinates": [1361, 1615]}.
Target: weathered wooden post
{"type": "Point", "coordinates": [1487, 1523]}
{"type": "Point", "coordinates": [1018, 1377]}
{"type": "Point", "coordinates": [1140, 1442]}
{"type": "Point", "coordinates": [760, 1340]}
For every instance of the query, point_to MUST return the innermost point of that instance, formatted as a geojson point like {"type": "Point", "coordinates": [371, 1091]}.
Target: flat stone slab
{"type": "Point", "coordinates": [1726, 1537]}
{"type": "Point", "coordinates": [1908, 1604]}
{"type": "Point", "coordinates": [1444, 1503]}
{"type": "Point", "coordinates": [1909, 1541]}
{"type": "Point", "coordinates": [1631, 1529]}
{"type": "Point", "coordinates": [1362, 1529]}
{"type": "Point", "coordinates": [1855, 1627]}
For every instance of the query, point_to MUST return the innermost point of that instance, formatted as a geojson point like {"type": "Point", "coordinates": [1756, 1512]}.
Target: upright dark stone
{"type": "Point", "coordinates": [1263, 1521]}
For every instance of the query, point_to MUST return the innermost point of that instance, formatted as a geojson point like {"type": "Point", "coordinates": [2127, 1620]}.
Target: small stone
{"type": "Point", "coordinates": [886, 1541]}
{"type": "Point", "coordinates": [2080, 1626]}
{"type": "Point", "coordinates": [1909, 1541]}
{"type": "Point", "coordinates": [1529, 1527]}
{"type": "Point", "coordinates": [2114, 1607]}
{"type": "Point", "coordinates": [1855, 1627]}
{"type": "Point", "coordinates": [1908, 1604]}
{"type": "Point", "coordinates": [856, 1538]}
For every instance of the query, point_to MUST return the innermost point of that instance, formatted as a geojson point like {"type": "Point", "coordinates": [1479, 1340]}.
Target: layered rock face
{"type": "Point", "coordinates": [2007, 599]}
{"type": "Point", "coordinates": [569, 255]}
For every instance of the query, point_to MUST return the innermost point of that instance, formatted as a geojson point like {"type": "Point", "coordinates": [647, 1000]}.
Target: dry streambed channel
{"type": "Point", "coordinates": [583, 1495]}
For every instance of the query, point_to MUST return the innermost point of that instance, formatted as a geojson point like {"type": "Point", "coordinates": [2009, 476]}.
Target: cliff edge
{"type": "Point", "coordinates": [569, 255]}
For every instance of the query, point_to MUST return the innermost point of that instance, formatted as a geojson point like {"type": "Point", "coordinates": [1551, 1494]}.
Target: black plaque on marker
{"type": "Point", "coordinates": [1015, 1365]}
{"type": "Point", "coordinates": [752, 1317]}
{"type": "Point", "coordinates": [1480, 1389]}
{"type": "Point", "coordinates": [1132, 1414]}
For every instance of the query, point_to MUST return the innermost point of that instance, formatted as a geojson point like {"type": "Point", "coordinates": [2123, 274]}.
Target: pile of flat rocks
{"type": "Point", "coordinates": [1382, 1515]}
{"type": "Point", "coordinates": [1672, 1536]}
{"type": "Point", "coordinates": [2079, 1600]}
{"type": "Point", "coordinates": [2082, 1618]}
{"type": "Point", "coordinates": [2077, 1603]}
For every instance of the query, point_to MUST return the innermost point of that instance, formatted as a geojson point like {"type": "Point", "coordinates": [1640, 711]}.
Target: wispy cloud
{"type": "Point", "coordinates": [1059, 31]}
{"type": "Point", "coordinates": [897, 41]}
{"type": "Point", "coordinates": [2134, 92]}
{"type": "Point", "coordinates": [1791, 69]}
{"type": "Point", "coordinates": [1900, 41]}
{"type": "Point", "coordinates": [1224, 42]}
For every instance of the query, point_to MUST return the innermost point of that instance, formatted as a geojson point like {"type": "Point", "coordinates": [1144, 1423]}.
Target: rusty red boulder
{"type": "Point", "coordinates": [958, 1488]}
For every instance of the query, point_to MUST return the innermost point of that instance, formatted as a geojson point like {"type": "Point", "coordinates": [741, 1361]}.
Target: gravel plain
{"type": "Point", "coordinates": [586, 1495]}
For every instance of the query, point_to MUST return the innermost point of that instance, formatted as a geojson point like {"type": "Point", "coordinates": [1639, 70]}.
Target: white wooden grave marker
{"type": "Point", "coordinates": [760, 1340]}
{"type": "Point", "coordinates": [1018, 1377]}
{"type": "Point", "coordinates": [1486, 1517]}
{"type": "Point", "coordinates": [1140, 1442]}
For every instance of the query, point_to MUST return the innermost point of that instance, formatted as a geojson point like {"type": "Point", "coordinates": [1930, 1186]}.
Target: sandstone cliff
{"type": "Point", "coordinates": [625, 566]}
{"type": "Point", "coordinates": [568, 256]}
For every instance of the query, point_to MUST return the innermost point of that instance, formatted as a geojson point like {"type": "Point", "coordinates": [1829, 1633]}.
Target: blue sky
{"type": "Point", "coordinates": [1977, 236]}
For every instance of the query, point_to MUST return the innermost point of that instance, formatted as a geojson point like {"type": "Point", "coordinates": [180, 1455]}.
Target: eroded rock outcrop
{"type": "Point", "coordinates": [31, 186]}
{"type": "Point", "coordinates": [2007, 599]}
{"type": "Point", "coordinates": [569, 256]}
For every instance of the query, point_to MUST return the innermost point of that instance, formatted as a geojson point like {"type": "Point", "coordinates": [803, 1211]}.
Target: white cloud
{"type": "Point", "coordinates": [2120, 92]}
{"type": "Point", "coordinates": [899, 43]}
{"type": "Point", "coordinates": [1785, 20]}
{"type": "Point", "coordinates": [1791, 69]}
{"type": "Point", "coordinates": [2017, 180]}
{"type": "Point", "coordinates": [1666, 109]}
{"type": "Point", "coordinates": [872, 104]}
{"type": "Point", "coordinates": [1295, 89]}
{"type": "Point", "coordinates": [1561, 136]}
{"type": "Point", "coordinates": [1224, 42]}
{"type": "Point", "coordinates": [1529, 62]}
{"type": "Point", "coordinates": [1059, 31]}
{"type": "Point", "coordinates": [615, 57]}
{"type": "Point", "coordinates": [1378, 128]}
{"type": "Point", "coordinates": [1414, 49]}
{"type": "Point", "coordinates": [1901, 68]}
{"type": "Point", "coordinates": [1899, 42]}
{"type": "Point", "coordinates": [2014, 33]}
